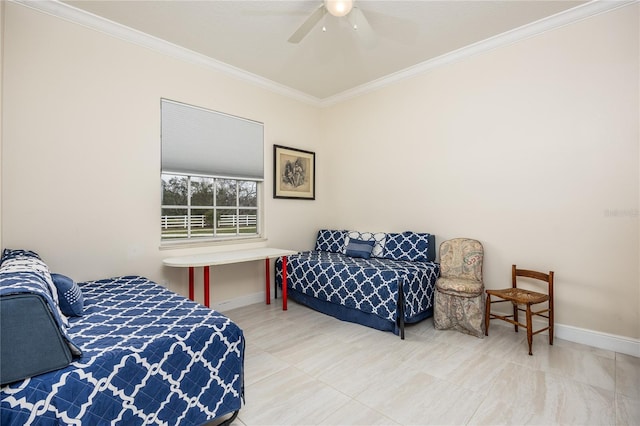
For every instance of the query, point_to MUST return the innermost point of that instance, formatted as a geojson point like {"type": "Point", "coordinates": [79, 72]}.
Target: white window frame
{"type": "Point", "coordinates": [216, 236]}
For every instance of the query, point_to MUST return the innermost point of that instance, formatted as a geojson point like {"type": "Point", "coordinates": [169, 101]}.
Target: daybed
{"type": "Point", "coordinates": [138, 354]}
{"type": "Point", "coordinates": [381, 280]}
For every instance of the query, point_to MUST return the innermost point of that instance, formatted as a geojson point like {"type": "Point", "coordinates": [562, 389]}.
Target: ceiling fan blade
{"type": "Point", "coordinates": [308, 25]}
{"type": "Point", "coordinates": [360, 23]}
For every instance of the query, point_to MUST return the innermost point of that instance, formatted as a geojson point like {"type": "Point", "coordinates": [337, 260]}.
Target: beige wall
{"type": "Point", "coordinates": [82, 151]}
{"type": "Point", "coordinates": [530, 148]}
{"type": "Point", "coordinates": [1, 82]}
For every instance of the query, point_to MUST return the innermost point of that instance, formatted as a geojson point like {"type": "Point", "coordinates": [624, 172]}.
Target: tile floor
{"type": "Point", "coordinates": [306, 368]}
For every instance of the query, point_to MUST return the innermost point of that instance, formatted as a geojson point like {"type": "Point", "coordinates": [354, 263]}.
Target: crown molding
{"type": "Point", "coordinates": [103, 25]}
{"type": "Point", "coordinates": [89, 20]}
{"type": "Point", "coordinates": [552, 22]}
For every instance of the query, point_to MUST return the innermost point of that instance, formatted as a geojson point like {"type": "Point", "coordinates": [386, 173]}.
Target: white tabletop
{"type": "Point", "coordinates": [226, 257]}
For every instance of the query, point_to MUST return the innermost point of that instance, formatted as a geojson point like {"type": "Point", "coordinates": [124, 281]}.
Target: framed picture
{"type": "Point", "coordinates": [294, 173]}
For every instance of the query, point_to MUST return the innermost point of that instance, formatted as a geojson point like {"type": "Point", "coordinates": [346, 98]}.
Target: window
{"type": "Point", "coordinates": [212, 172]}
{"type": "Point", "coordinates": [190, 209]}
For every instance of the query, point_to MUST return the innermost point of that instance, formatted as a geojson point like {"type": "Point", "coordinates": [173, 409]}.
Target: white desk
{"type": "Point", "coordinates": [206, 260]}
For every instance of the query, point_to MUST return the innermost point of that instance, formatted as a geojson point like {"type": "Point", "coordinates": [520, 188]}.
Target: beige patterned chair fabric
{"type": "Point", "coordinates": [459, 300]}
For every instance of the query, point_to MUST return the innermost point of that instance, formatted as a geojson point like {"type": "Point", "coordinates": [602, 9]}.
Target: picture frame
{"type": "Point", "coordinates": [294, 173]}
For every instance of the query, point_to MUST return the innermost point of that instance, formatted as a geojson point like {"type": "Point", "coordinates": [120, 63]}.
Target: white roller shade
{"type": "Point", "coordinates": [198, 141]}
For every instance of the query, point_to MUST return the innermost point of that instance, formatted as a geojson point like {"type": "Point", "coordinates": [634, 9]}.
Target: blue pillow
{"type": "Point", "coordinates": [360, 248]}
{"type": "Point", "coordinates": [378, 237]}
{"type": "Point", "coordinates": [70, 296]}
{"type": "Point", "coordinates": [410, 246]}
{"type": "Point", "coordinates": [331, 240]}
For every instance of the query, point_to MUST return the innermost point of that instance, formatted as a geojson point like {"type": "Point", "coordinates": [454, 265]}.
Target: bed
{"type": "Point", "coordinates": [390, 284]}
{"type": "Point", "coordinates": [146, 356]}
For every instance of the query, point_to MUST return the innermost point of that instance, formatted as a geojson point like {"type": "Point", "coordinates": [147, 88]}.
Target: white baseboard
{"type": "Point", "coordinates": [611, 342]}
{"type": "Point", "coordinates": [596, 339]}
{"type": "Point", "coordinates": [239, 302]}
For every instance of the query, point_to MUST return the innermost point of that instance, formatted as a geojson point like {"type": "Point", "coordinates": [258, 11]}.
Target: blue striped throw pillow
{"type": "Point", "coordinates": [360, 248]}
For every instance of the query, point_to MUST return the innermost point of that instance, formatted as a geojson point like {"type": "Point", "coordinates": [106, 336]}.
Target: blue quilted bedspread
{"type": "Point", "coordinates": [149, 356]}
{"type": "Point", "coordinates": [366, 285]}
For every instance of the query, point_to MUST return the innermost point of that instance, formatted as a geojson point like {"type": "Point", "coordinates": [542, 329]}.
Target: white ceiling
{"type": "Point", "coordinates": [252, 35]}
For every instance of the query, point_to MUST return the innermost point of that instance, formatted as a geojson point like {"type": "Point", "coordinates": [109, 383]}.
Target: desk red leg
{"type": "Point", "coordinates": [284, 283]}
{"type": "Point", "coordinates": [267, 279]}
{"type": "Point", "coordinates": [206, 286]}
{"type": "Point", "coordinates": [191, 290]}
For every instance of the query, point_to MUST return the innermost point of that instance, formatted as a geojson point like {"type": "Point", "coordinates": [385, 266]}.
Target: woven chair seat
{"type": "Point", "coordinates": [520, 296]}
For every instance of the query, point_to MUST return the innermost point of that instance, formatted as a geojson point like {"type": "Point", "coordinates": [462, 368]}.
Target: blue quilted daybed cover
{"type": "Point", "coordinates": [149, 356]}
{"type": "Point", "coordinates": [369, 286]}
{"type": "Point", "coordinates": [365, 290]}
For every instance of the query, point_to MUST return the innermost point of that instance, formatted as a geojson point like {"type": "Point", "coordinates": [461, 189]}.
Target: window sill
{"type": "Point", "coordinates": [187, 244]}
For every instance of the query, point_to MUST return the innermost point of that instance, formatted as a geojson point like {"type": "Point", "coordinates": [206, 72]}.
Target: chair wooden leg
{"type": "Point", "coordinates": [551, 325]}
{"type": "Point", "coordinates": [487, 314]}
{"type": "Point", "coordinates": [515, 315]}
{"type": "Point", "coordinates": [529, 329]}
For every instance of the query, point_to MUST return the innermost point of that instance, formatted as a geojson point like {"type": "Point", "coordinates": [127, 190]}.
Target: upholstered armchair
{"type": "Point", "coordinates": [459, 299]}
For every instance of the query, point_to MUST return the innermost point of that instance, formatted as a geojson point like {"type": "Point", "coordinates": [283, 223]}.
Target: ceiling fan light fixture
{"type": "Point", "coordinates": [338, 7]}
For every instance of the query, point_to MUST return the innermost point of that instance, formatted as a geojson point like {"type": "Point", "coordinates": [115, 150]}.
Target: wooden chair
{"type": "Point", "coordinates": [521, 297]}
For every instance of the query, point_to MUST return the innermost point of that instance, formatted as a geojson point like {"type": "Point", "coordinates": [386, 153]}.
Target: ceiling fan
{"type": "Point", "coordinates": [337, 8]}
